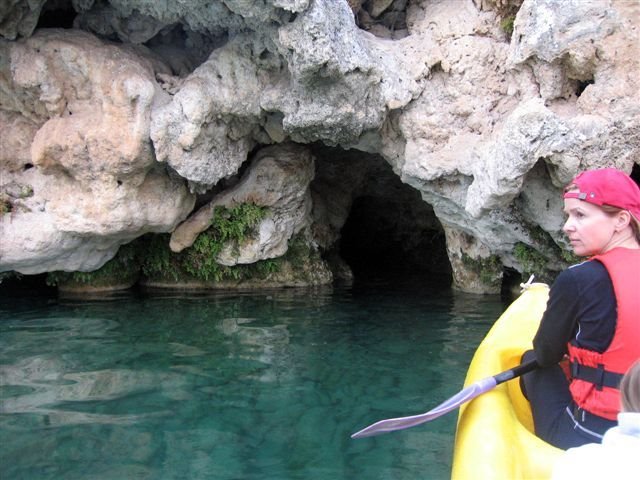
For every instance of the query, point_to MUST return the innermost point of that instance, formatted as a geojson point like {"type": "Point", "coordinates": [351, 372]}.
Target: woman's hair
{"type": "Point", "coordinates": [634, 223]}
{"type": "Point", "coordinates": [630, 389]}
{"type": "Point", "coordinates": [612, 211]}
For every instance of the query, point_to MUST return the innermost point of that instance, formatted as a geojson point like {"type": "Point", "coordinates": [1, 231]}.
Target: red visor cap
{"type": "Point", "coordinates": [608, 186]}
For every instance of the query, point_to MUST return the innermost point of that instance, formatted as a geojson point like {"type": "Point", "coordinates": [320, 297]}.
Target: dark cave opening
{"type": "Point", "coordinates": [386, 231]}
{"type": "Point", "coordinates": [378, 225]}
{"type": "Point", "coordinates": [15, 285]}
{"type": "Point", "coordinates": [511, 280]}
{"type": "Point", "coordinates": [382, 240]}
{"type": "Point", "coordinates": [57, 14]}
{"type": "Point", "coordinates": [582, 85]}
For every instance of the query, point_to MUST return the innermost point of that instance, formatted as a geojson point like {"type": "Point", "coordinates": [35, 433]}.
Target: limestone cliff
{"type": "Point", "coordinates": [120, 118]}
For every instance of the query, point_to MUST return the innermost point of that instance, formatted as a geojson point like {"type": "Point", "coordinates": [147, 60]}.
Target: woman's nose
{"type": "Point", "coordinates": [568, 225]}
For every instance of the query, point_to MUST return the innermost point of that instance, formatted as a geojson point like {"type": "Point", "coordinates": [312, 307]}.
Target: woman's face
{"type": "Point", "coordinates": [588, 227]}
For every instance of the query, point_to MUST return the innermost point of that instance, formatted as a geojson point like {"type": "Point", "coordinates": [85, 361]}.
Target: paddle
{"type": "Point", "coordinates": [463, 396]}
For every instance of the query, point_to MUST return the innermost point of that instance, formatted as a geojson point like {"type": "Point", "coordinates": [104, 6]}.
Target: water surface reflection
{"type": "Point", "coordinates": [254, 386]}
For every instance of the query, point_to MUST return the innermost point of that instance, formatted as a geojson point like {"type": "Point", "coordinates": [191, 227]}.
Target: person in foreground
{"type": "Point", "coordinates": [592, 315]}
{"type": "Point", "coordinates": [617, 456]}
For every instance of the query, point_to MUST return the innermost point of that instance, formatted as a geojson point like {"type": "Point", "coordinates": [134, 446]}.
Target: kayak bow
{"type": "Point", "coordinates": [494, 437]}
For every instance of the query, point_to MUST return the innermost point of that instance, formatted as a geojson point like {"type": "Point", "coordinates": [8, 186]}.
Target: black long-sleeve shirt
{"type": "Point", "coordinates": [581, 309]}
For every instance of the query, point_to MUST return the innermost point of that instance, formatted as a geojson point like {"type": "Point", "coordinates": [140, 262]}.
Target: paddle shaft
{"type": "Point", "coordinates": [516, 372]}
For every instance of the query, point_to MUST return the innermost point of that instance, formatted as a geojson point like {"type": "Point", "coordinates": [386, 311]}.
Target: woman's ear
{"type": "Point", "coordinates": [623, 219]}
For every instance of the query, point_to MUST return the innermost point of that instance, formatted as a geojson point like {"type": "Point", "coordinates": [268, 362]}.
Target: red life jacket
{"type": "Point", "coordinates": [595, 376]}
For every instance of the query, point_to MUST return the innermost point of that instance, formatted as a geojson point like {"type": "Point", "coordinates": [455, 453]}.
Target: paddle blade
{"type": "Point", "coordinates": [463, 396]}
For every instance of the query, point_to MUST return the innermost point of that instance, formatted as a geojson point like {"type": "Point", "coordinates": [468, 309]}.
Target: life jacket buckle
{"type": "Point", "coordinates": [598, 376]}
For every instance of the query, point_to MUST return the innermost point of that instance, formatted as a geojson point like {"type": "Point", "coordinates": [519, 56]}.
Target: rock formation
{"type": "Point", "coordinates": [75, 130]}
{"type": "Point", "coordinates": [120, 118]}
{"type": "Point", "coordinates": [279, 179]}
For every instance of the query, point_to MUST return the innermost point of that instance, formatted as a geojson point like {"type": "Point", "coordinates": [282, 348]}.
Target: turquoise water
{"type": "Point", "coordinates": [233, 386]}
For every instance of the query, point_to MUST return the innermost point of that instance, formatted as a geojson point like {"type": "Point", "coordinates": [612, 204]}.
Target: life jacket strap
{"type": "Point", "coordinates": [598, 376]}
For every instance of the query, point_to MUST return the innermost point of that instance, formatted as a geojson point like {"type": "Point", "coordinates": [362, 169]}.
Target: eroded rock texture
{"type": "Point", "coordinates": [75, 132]}
{"type": "Point", "coordinates": [115, 127]}
{"type": "Point", "coordinates": [279, 179]}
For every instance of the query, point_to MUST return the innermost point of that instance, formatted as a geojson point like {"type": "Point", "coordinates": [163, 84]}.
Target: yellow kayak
{"type": "Point", "coordinates": [494, 437]}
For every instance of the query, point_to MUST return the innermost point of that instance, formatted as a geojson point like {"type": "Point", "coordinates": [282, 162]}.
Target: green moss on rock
{"type": "Point", "coordinates": [531, 260]}
{"type": "Point", "coordinates": [488, 269]}
{"type": "Point", "coordinates": [122, 271]}
{"type": "Point", "coordinates": [507, 25]}
{"type": "Point", "coordinates": [198, 262]}
{"type": "Point", "coordinates": [151, 256]}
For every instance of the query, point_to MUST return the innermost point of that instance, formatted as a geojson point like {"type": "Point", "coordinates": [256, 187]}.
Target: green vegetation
{"type": "Point", "coordinates": [233, 224]}
{"type": "Point", "coordinates": [546, 244]}
{"type": "Point", "coordinates": [539, 235]}
{"type": "Point", "coordinates": [189, 265]}
{"type": "Point", "coordinates": [551, 248]}
{"type": "Point", "coordinates": [299, 252]}
{"type": "Point", "coordinates": [123, 269]}
{"type": "Point", "coordinates": [230, 225]}
{"type": "Point", "coordinates": [534, 259]}
{"type": "Point", "coordinates": [489, 269]}
{"type": "Point", "coordinates": [507, 25]}
{"type": "Point", "coordinates": [5, 205]}
{"type": "Point", "coordinates": [570, 257]}
{"type": "Point", "coordinates": [507, 12]}
{"type": "Point", "coordinates": [159, 261]}
{"type": "Point", "coordinates": [531, 260]}
{"type": "Point", "coordinates": [151, 256]}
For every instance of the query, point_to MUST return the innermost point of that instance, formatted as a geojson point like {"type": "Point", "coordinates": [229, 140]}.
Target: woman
{"type": "Point", "coordinates": [617, 456]}
{"type": "Point", "coordinates": [592, 315]}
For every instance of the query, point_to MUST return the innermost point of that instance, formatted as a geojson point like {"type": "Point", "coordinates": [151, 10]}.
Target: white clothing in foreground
{"type": "Point", "coordinates": [617, 457]}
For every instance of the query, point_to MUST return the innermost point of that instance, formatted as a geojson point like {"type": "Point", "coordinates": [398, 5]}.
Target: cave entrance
{"type": "Point", "coordinates": [57, 14]}
{"type": "Point", "coordinates": [389, 231]}
{"type": "Point", "coordinates": [387, 237]}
